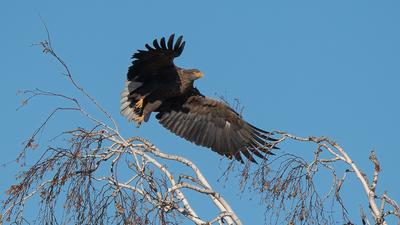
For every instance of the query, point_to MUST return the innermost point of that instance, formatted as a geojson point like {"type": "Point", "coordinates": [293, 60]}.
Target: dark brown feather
{"type": "Point", "coordinates": [171, 42]}
{"type": "Point", "coordinates": [156, 45]}
{"type": "Point", "coordinates": [213, 124]}
{"type": "Point", "coordinates": [163, 45]}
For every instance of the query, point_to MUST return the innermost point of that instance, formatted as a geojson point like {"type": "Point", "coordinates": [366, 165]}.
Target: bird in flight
{"type": "Point", "coordinates": [155, 84]}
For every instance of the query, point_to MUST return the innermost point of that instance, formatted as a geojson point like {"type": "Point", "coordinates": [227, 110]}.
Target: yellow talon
{"type": "Point", "coordinates": [139, 120]}
{"type": "Point", "coordinates": [139, 104]}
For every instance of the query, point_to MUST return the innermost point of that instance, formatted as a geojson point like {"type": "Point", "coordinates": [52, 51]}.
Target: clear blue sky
{"type": "Point", "coordinates": [306, 67]}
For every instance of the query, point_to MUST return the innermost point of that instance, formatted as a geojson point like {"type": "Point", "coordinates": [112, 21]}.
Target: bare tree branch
{"type": "Point", "coordinates": [80, 175]}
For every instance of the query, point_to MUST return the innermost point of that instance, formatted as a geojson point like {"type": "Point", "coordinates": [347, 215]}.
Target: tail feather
{"type": "Point", "coordinates": [127, 108]}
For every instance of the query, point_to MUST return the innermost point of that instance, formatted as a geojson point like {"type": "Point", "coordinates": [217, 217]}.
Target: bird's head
{"type": "Point", "coordinates": [193, 74]}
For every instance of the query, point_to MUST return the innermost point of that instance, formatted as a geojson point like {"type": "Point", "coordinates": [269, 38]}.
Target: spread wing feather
{"type": "Point", "coordinates": [151, 66]}
{"type": "Point", "coordinates": [156, 60]}
{"type": "Point", "coordinates": [213, 124]}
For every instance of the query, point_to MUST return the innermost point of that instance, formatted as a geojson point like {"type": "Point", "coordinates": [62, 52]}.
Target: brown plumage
{"type": "Point", "coordinates": [155, 84]}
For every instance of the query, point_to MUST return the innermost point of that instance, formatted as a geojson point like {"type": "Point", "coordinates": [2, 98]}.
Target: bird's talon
{"type": "Point", "coordinates": [139, 104]}
{"type": "Point", "coordinates": [139, 119]}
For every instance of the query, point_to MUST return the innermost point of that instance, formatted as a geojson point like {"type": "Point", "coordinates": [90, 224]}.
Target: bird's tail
{"type": "Point", "coordinates": [128, 103]}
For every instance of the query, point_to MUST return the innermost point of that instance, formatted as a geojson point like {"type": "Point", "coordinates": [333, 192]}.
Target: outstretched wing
{"type": "Point", "coordinates": [157, 60]}
{"type": "Point", "coordinates": [150, 68]}
{"type": "Point", "coordinates": [213, 124]}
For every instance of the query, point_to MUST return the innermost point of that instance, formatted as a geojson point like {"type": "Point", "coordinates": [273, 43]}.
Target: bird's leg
{"type": "Point", "coordinates": [139, 104]}
{"type": "Point", "coordinates": [139, 120]}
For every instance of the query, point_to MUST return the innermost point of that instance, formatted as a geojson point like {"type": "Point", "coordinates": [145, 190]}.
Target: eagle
{"type": "Point", "coordinates": [155, 84]}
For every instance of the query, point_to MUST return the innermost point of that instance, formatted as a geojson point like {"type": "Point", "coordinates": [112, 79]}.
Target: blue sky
{"type": "Point", "coordinates": [310, 68]}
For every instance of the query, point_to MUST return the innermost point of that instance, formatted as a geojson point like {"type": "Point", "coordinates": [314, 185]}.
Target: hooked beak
{"type": "Point", "coordinates": [198, 74]}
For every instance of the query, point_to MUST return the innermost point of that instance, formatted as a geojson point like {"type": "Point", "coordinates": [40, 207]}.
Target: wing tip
{"type": "Point", "coordinates": [169, 45]}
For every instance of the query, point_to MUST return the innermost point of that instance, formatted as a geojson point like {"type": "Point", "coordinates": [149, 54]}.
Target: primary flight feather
{"type": "Point", "coordinates": [155, 84]}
